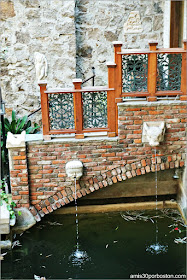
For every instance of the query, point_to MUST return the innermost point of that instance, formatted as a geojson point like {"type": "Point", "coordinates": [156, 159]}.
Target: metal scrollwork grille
{"type": "Point", "coordinates": [134, 72]}
{"type": "Point", "coordinates": [61, 111]}
{"type": "Point", "coordinates": [169, 71]}
{"type": "Point", "coordinates": [94, 109]}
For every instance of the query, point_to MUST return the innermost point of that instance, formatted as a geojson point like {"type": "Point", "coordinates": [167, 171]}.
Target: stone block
{"type": "Point", "coordinates": [5, 244]}
{"type": "Point", "coordinates": [25, 220]}
{"type": "Point", "coordinates": [4, 228]}
{"type": "Point", "coordinates": [4, 214]}
{"type": "Point", "coordinates": [7, 10]}
{"type": "Point", "coordinates": [15, 141]}
{"type": "Point", "coordinates": [133, 24]}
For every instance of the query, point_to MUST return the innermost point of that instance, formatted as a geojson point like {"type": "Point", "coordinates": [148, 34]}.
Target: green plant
{"type": "Point", "coordinates": [17, 125]}
{"type": "Point", "coordinates": [6, 198]}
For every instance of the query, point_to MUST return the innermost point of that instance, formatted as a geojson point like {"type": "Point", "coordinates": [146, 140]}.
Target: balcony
{"type": "Point", "coordinates": [149, 73]}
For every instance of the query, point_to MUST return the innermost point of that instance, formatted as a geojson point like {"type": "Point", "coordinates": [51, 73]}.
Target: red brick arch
{"type": "Point", "coordinates": [110, 177]}
{"type": "Point", "coordinates": [37, 169]}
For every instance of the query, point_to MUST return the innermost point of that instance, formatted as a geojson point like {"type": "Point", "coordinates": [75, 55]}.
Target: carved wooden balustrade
{"type": "Point", "coordinates": [149, 73]}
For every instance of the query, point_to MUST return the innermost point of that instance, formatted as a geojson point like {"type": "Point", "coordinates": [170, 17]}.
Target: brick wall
{"type": "Point", "coordinates": [131, 118]}
{"type": "Point", "coordinates": [106, 161]}
{"type": "Point", "coordinates": [19, 177]}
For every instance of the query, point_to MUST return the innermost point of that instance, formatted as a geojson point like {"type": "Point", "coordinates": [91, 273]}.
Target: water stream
{"type": "Point", "coordinates": [156, 198]}
{"type": "Point", "coordinates": [156, 248]}
{"type": "Point", "coordinates": [76, 216]}
{"type": "Point", "coordinates": [78, 257]}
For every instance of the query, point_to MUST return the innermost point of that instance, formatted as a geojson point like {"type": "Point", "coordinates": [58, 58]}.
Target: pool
{"type": "Point", "coordinates": [111, 245]}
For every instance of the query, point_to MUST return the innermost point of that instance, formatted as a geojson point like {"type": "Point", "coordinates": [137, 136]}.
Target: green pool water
{"type": "Point", "coordinates": [112, 246]}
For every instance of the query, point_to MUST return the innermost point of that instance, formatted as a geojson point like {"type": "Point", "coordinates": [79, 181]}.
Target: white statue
{"type": "Point", "coordinates": [74, 169]}
{"type": "Point", "coordinates": [40, 62]}
{"type": "Point", "coordinates": [153, 133]}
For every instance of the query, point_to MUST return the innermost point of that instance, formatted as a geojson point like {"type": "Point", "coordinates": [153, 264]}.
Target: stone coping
{"type": "Point", "coordinates": [33, 137]}
{"type": "Point", "coordinates": [62, 138]}
{"type": "Point", "coordinates": [149, 104]}
{"type": "Point", "coordinates": [65, 139]}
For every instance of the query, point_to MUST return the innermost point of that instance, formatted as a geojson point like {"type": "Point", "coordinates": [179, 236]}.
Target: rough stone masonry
{"type": "Point", "coordinates": [74, 35]}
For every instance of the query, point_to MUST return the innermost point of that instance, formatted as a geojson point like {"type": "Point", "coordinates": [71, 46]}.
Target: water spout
{"type": "Point", "coordinates": [74, 169]}
{"type": "Point", "coordinates": [153, 133]}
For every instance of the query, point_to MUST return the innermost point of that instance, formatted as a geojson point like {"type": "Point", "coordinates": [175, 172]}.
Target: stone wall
{"type": "Point", "coordinates": [30, 26]}
{"type": "Point", "coordinates": [106, 161]}
{"type": "Point", "coordinates": [73, 35]}
{"type": "Point", "coordinates": [98, 23]}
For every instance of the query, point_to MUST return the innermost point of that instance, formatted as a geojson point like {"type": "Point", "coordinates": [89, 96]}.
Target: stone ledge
{"type": "Point", "coordinates": [33, 137]}
{"type": "Point", "coordinates": [150, 104]}
{"type": "Point", "coordinates": [117, 207]}
{"type": "Point", "coordinates": [74, 140]}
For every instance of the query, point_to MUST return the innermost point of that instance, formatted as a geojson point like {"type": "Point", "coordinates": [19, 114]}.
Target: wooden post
{"type": "Point", "coordinates": [152, 71]}
{"type": "Point", "coordinates": [184, 72]}
{"type": "Point", "coordinates": [111, 105]}
{"type": "Point", "coordinates": [44, 108]}
{"type": "Point", "coordinates": [78, 109]}
{"type": "Point", "coordinates": [118, 77]}
{"type": "Point", "coordinates": [118, 71]}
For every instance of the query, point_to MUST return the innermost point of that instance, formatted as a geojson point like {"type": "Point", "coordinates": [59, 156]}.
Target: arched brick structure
{"type": "Point", "coordinates": [111, 177]}
{"type": "Point", "coordinates": [38, 178]}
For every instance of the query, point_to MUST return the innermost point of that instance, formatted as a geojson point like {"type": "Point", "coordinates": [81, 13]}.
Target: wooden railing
{"type": "Point", "coordinates": [146, 73]}
{"type": "Point", "coordinates": [150, 68]}
{"type": "Point", "coordinates": [71, 114]}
